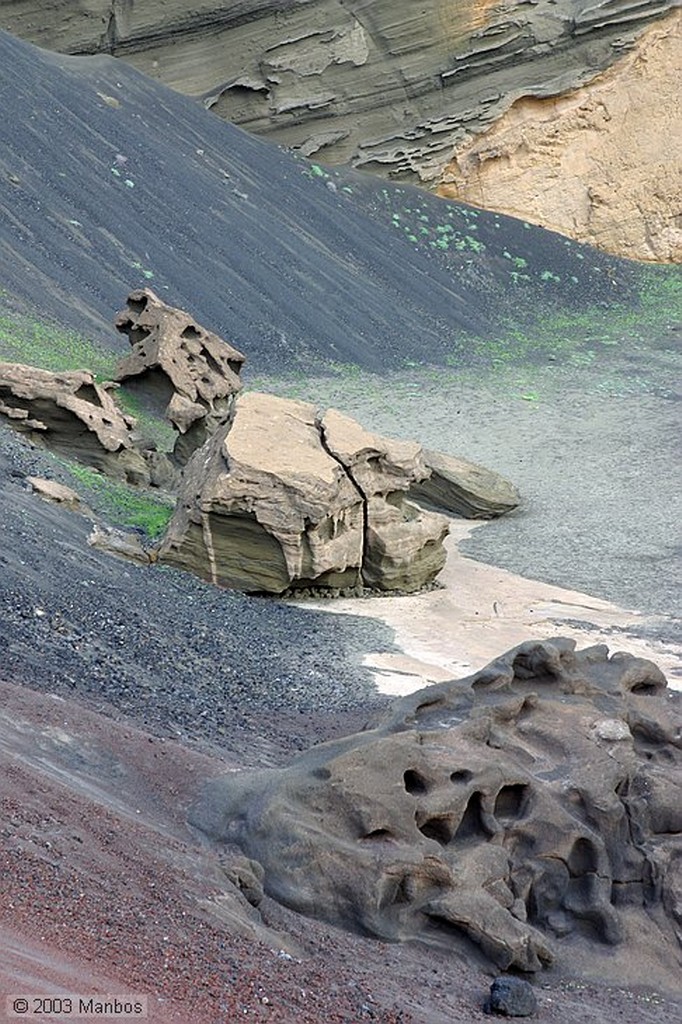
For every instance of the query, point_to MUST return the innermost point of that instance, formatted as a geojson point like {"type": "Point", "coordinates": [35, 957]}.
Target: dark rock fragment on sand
{"type": "Point", "coordinates": [511, 997]}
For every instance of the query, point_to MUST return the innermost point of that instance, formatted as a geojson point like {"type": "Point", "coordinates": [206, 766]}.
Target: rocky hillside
{"type": "Point", "coordinates": [395, 90]}
{"type": "Point", "coordinates": [112, 181]}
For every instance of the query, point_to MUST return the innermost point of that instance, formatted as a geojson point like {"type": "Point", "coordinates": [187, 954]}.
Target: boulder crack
{"type": "Point", "coordinates": [319, 425]}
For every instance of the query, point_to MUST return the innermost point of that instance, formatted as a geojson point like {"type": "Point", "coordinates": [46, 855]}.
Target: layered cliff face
{"type": "Point", "coordinates": [397, 88]}
{"type": "Point", "coordinates": [600, 163]}
{"type": "Point", "coordinates": [382, 84]}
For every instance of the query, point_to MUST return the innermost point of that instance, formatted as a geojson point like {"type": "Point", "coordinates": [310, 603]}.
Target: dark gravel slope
{"type": "Point", "coordinates": [160, 646]}
{"type": "Point", "coordinates": [109, 181]}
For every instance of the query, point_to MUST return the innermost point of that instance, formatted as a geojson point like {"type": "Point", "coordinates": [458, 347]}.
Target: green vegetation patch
{"type": "Point", "coordinates": [578, 336]}
{"type": "Point", "coordinates": [149, 423]}
{"type": "Point", "coordinates": [39, 342]}
{"type": "Point", "coordinates": [122, 505]}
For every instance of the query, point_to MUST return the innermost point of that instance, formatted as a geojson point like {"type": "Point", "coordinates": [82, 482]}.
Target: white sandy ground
{"type": "Point", "coordinates": [483, 611]}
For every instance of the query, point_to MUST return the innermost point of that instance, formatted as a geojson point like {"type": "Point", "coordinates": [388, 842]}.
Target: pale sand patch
{"type": "Point", "coordinates": [483, 611]}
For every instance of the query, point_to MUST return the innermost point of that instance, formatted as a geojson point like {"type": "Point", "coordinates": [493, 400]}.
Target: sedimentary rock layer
{"type": "Point", "coordinates": [602, 163]}
{"type": "Point", "coordinates": [385, 84]}
{"type": "Point", "coordinates": [280, 498]}
{"type": "Point", "coordinates": [396, 89]}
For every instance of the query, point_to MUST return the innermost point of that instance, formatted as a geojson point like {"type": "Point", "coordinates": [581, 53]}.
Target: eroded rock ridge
{"type": "Point", "coordinates": [190, 374]}
{"type": "Point", "coordinates": [73, 415]}
{"type": "Point", "coordinates": [531, 809]}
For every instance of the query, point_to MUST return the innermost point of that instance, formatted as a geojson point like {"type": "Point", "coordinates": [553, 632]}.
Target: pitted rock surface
{"type": "Point", "coordinates": [73, 415]}
{"type": "Point", "coordinates": [192, 373]}
{"type": "Point", "coordinates": [281, 497]}
{"type": "Point", "coordinates": [531, 809]}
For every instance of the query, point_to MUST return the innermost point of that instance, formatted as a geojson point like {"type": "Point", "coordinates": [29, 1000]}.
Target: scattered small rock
{"type": "Point", "coordinates": [50, 490]}
{"type": "Point", "coordinates": [511, 997]}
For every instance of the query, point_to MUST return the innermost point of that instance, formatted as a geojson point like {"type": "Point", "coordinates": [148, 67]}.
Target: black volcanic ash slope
{"type": "Point", "coordinates": [109, 181]}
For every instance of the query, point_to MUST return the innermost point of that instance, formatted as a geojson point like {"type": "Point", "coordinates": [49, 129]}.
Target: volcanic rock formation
{"type": "Point", "coordinates": [72, 414]}
{"type": "Point", "coordinates": [532, 809]}
{"type": "Point", "coordinates": [601, 163]}
{"type": "Point", "coordinates": [280, 497]}
{"type": "Point", "coordinates": [191, 374]}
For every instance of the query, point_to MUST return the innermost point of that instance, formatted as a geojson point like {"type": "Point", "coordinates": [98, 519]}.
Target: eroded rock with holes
{"type": "Point", "coordinates": [70, 413]}
{"type": "Point", "coordinates": [281, 498]}
{"type": "Point", "coordinates": [531, 809]}
{"type": "Point", "coordinates": [187, 373]}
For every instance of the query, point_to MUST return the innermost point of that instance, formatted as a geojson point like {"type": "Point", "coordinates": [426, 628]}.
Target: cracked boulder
{"type": "Point", "coordinates": [187, 373]}
{"type": "Point", "coordinates": [73, 415]}
{"type": "Point", "coordinates": [282, 498]}
{"type": "Point", "coordinates": [403, 545]}
{"type": "Point", "coordinates": [530, 810]}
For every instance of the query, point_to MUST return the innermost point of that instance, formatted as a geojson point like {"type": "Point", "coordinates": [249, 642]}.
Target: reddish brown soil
{"type": "Point", "coordinates": [103, 889]}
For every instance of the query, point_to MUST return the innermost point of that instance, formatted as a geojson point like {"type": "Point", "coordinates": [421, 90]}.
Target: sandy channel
{"type": "Point", "coordinates": [482, 611]}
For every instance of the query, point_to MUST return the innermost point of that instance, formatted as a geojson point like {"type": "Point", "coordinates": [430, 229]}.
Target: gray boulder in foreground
{"type": "Point", "coordinates": [463, 488]}
{"type": "Point", "coordinates": [511, 997]}
{"type": "Point", "coordinates": [531, 809]}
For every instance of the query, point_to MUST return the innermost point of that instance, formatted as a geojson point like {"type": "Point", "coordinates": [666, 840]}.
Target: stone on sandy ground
{"type": "Point", "coordinates": [464, 488]}
{"type": "Point", "coordinates": [281, 498]}
{"type": "Point", "coordinates": [123, 545]}
{"type": "Point", "coordinates": [511, 997]}
{"type": "Point", "coordinates": [188, 372]}
{"type": "Point", "coordinates": [467, 815]}
{"type": "Point", "coordinates": [73, 415]}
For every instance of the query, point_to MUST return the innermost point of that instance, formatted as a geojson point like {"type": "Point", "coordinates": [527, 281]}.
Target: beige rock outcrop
{"type": "Point", "coordinates": [190, 373]}
{"type": "Point", "coordinates": [51, 490]}
{"type": "Point", "coordinates": [70, 413]}
{"type": "Point", "coordinates": [463, 488]}
{"type": "Point", "coordinates": [402, 543]}
{"type": "Point", "coordinates": [601, 163]}
{"type": "Point", "coordinates": [280, 498]}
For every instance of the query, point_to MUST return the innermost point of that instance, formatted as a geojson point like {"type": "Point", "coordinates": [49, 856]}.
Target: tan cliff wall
{"type": "Point", "coordinates": [602, 163]}
{"type": "Point", "coordinates": [384, 84]}
{"type": "Point", "coordinates": [394, 87]}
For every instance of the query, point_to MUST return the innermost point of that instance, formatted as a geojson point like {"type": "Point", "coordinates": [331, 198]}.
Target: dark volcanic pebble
{"type": "Point", "coordinates": [511, 997]}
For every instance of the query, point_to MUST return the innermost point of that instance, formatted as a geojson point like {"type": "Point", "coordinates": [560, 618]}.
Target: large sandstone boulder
{"type": "Point", "coordinates": [463, 488]}
{"type": "Point", "coordinates": [70, 413]}
{"type": "Point", "coordinates": [189, 373]}
{"type": "Point", "coordinates": [531, 809]}
{"type": "Point", "coordinates": [280, 498]}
